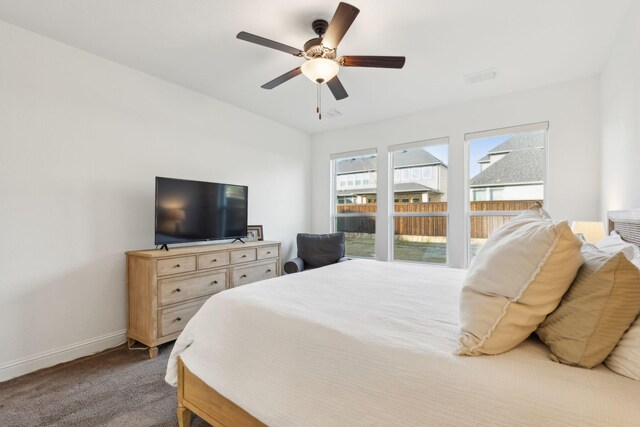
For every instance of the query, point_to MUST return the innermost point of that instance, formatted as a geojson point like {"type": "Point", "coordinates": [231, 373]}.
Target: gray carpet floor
{"type": "Point", "coordinates": [118, 387]}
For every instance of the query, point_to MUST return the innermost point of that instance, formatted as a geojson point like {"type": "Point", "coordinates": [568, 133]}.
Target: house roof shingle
{"type": "Point", "coordinates": [517, 167]}
{"type": "Point", "coordinates": [520, 142]}
{"type": "Point", "coordinates": [523, 162]}
{"type": "Point", "coordinates": [400, 160]}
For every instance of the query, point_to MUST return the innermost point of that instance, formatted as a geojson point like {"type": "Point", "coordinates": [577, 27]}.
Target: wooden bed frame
{"type": "Point", "coordinates": [194, 396]}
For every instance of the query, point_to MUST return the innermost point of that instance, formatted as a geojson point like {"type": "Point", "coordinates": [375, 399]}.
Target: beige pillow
{"type": "Point", "coordinates": [625, 358]}
{"type": "Point", "coordinates": [518, 277]}
{"type": "Point", "coordinates": [602, 302]}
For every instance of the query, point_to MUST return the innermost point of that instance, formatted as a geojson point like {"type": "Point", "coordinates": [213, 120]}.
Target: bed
{"type": "Point", "coordinates": [371, 343]}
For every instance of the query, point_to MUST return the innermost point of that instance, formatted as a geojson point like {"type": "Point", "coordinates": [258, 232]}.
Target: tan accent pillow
{"type": "Point", "coordinates": [518, 277]}
{"type": "Point", "coordinates": [599, 307]}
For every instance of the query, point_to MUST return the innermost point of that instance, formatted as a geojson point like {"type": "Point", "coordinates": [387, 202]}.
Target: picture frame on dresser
{"type": "Point", "coordinates": [255, 230]}
{"type": "Point", "coordinates": [166, 289]}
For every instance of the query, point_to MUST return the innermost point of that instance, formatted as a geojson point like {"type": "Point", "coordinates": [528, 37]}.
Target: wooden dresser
{"type": "Point", "coordinates": [166, 288]}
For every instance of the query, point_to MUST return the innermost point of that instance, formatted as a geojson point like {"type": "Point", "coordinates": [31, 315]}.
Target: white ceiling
{"type": "Point", "coordinates": [192, 43]}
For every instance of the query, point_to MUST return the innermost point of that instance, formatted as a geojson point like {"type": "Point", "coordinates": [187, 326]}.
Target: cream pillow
{"type": "Point", "coordinates": [625, 358]}
{"type": "Point", "coordinates": [518, 277]}
{"type": "Point", "coordinates": [602, 302]}
{"type": "Point", "coordinates": [613, 243]}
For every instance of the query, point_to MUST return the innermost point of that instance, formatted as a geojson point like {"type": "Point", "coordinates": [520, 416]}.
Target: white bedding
{"type": "Point", "coordinates": [371, 343]}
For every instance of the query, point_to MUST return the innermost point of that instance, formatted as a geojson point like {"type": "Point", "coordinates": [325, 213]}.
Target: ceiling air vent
{"type": "Point", "coordinates": [481, 76]}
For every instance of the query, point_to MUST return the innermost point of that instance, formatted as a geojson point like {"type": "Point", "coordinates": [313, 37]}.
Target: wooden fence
{"type": "Point", "coordinates": [481, 226]}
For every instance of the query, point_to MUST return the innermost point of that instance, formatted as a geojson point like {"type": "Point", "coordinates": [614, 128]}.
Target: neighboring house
{"type": "Point", "coordinates": [514, 170]}
{"type": "Point", "coordinates": [418, 177]}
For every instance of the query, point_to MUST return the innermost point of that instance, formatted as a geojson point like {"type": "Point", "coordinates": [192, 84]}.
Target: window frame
{"type": "Point", "coordinates": [334, 196]}
{"type": "Point", "coordinates": [392, 214]}
{"type": "Point", "coordinates": [468, 138]}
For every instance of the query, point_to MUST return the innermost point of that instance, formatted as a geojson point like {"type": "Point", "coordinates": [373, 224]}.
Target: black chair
{"type": "Point", "coordinates": [317, 250]}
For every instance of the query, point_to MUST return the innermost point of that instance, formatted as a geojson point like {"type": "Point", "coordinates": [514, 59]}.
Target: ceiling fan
{"type": "Point", "coordinates": [322, 64]}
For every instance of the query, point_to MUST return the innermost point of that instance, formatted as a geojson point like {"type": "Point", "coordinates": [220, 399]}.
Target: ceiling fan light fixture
{"type": "Point", "coordinates": [320, 70]}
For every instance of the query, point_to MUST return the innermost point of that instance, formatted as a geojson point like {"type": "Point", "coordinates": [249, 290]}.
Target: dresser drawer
{"type": "Point", "coordinates": [268, 252]}
{"type": "Point", "coordinates": [244, 275]}
{"type": "Point", "coordinates": [174, 319]}
{"type": "Point", "coordinates": [244, 255]}
{"type": "Point", "coordinates": [171, 291]}
{"type": "Point", "coordinates": [218, 259]}
{"type": "Point", "coordinates": [176, 265]}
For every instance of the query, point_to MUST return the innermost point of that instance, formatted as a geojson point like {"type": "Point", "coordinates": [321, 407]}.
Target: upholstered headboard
{"type": "Point", "coordinates": [627, 224]}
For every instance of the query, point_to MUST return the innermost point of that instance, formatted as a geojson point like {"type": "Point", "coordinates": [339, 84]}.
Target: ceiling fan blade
{"type": "Point", "coordinates": [373, 61]}
{"type": "Point", "coordinates": [335, 85]}
{"type": "Point", "coordinates": [340, 23]}
{"type": "Point", "coordinates": [252, 38]}
{"type": "Point", "coordinates": [283, 78]}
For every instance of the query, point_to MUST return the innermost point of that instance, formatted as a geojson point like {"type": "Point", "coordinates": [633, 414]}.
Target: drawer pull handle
{"type": "Point", "coordinates": [214, 260]}
{"type": "Point", "coordinates": [177, 265]}
{"type": "Point", "coordinates": [215, 282]}
{"type": "Point", "coordinates": [269, 270]}
{"type": "Point", "coordinates": [243, 276]}
{"type": "Point", "coordinates": [268, 252]}
{"type": "Point", "coordinates": [178, 290]}
{"type": "Point", "coordinates": [244, 256]}
{"type": "Point", "coordinates": [178, 319]}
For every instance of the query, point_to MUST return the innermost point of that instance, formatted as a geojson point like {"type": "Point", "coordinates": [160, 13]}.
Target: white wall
{"type": "Point", "coordinates": [620, 84]}
{"type": "Point", "coordinates": [572, 110]}
{"type": "Point", "coordinates": [81, 140]}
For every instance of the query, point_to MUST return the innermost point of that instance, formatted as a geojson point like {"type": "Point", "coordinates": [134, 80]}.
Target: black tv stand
{"type": "Point", "coordinates": [165, 247]}
{"type": "Point", "coordinates": [238, 238]}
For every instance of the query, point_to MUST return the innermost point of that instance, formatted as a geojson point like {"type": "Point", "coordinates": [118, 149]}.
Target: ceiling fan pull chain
{"type": "Point", "coordinates": [319, 102]}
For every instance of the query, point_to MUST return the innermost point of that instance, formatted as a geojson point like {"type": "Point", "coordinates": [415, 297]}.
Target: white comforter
{"type": "Point", "coordinates": [371, 343]}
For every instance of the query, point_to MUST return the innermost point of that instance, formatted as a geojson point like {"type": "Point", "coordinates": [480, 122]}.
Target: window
{"type": "Point", "coordinates": [426, 172]}
{"type": "Point", "coordinates": [354, 210]}
{"type": "Point", "coordinates": [479, 195]}
{"type": "Point", "coordinates": [497, 193]}
{"type": "Point", "coordinates": [420, 220]}
{"type": "Point", "coordinates": [507, 175]}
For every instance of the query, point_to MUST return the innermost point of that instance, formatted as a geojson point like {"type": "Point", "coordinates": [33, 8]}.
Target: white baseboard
{"type": "Point", "coordinates": [24, 365]}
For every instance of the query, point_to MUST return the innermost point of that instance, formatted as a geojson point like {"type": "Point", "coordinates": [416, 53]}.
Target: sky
{"type": "Point", "coordinates": [439, 151]}
{"type": "Point", "coordinates": [478, 148]}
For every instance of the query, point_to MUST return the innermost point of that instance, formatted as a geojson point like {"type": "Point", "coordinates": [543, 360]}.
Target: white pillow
{"type": "Point", "coordinates": [517, 279]}
{"type": "Point", "coordinates": [613, 243]}
{"type": "Point", "coordinates": [625, 358]}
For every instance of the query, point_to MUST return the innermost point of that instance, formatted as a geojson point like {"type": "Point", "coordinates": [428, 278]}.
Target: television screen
{"type": "Point", "coordinates": [190, 211]}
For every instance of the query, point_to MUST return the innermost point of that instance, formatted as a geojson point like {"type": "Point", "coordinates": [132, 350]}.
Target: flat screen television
{"type": "Point", "coordinates": [193, 211]}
